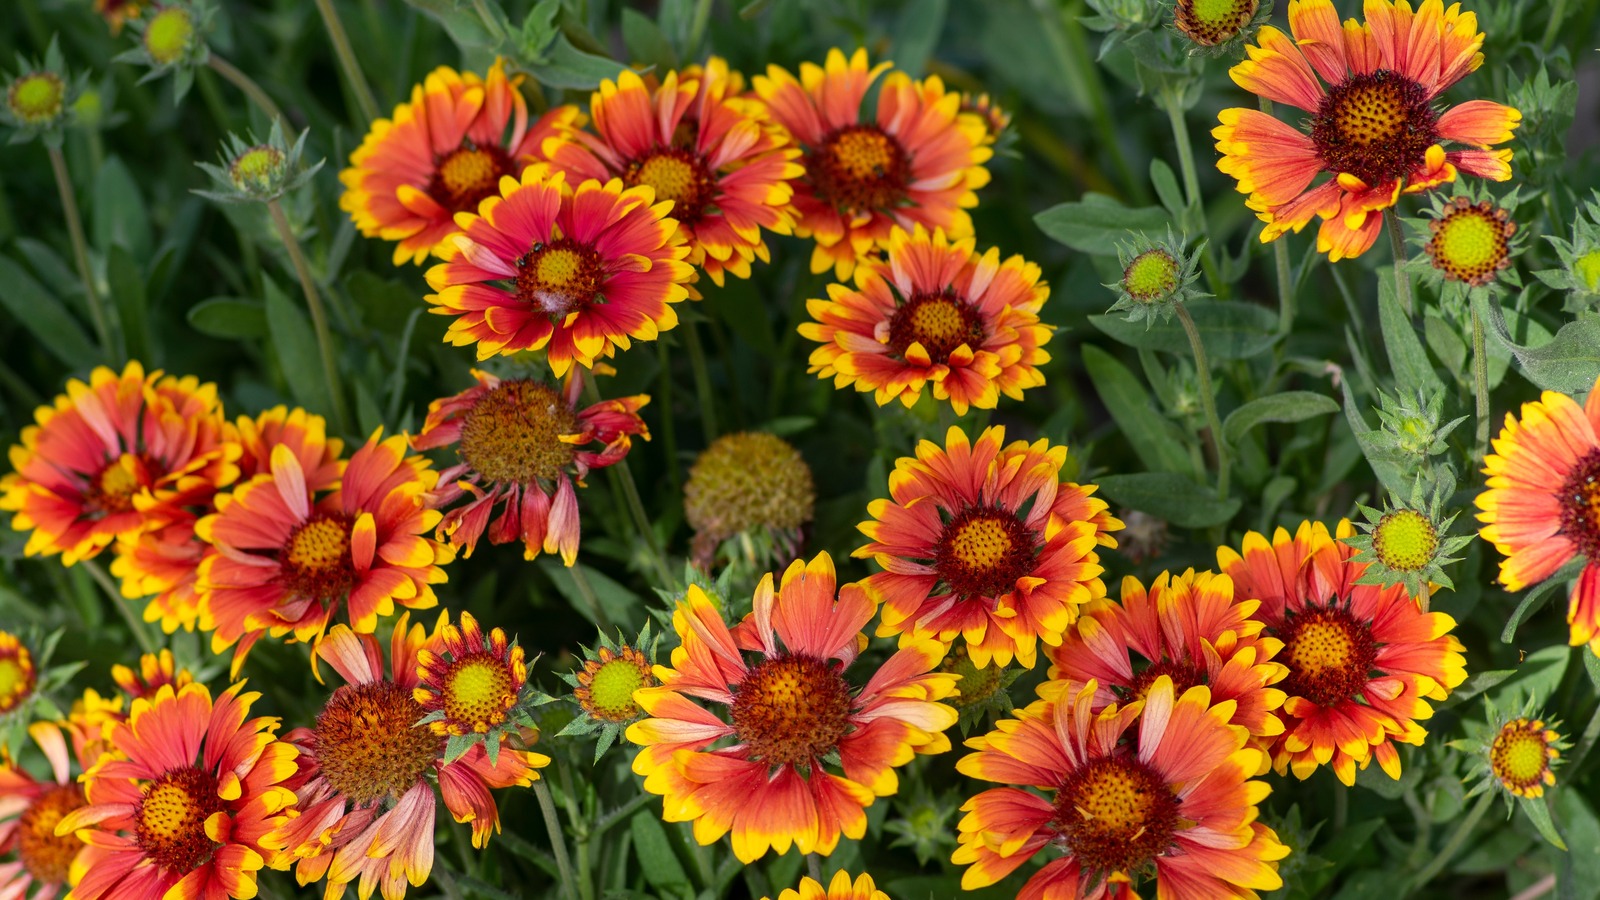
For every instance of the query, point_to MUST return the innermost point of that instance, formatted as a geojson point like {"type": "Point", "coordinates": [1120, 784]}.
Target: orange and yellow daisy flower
{"type": "Point", "coordinates": [842, 887]}
{"type": "Point", "coordinates": [114, 458]}
{"type": "Point", "coordinates": [918, 161]}
{"type": "Point", "coordinates": [1363, 659]}
{"type": "Point", "coordinates": [179, 805]}
{"type": "Point", "coordinates": [577, 273]}
{"type": "Point", "coordinates": [1541, 507]}
{"type": "Point", "coordinates": [41, 861]}
{"type": "Point", "coordinates": [469, 682]}
{"type": "Point", "coordinates": [697, 143]}
{"type": "Point", "coordinates": [156, 670]}
{"type": "Point", "coordinates": [1374, 127]}
{"type": "Point", "coordinates": [983, 541]}
{"type": "Point", "coordinates": [289, 551]}
{"type": "Point", "coordinates": [769, 772]}
{"type": "Point", "coordinates": [441, 154]}
{"type": "Point", "coordinates": [18, 674]}
{"type": "Point", "coordinates": [934, 312]}
{"type": "Point", "coordinates": [1172, 798]}
{"type": "Point", "coordinates": [522, 442]}
{"type": "Point", "coordinates": [1192, 628]}
{"type": "Point", "coordinates": [367, 807]}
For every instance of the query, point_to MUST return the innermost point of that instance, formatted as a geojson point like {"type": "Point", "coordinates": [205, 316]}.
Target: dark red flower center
{"type": "Point", "coordinates": [939, 322]}
{"type": "Point", "coordinates": [859, 168]}
{"type": "Point", "coordinates": [513, 433]}
{"type": "Point", "coordinates": [1329, 654]}
{"type": "Point", "coordinates": [791, 710]}
{"type": "Point", "coordinates": [170, 819]}
{"type": "Point", "coordinates": [1115, 814]}
{"type": "Point", "coordinates": [46, 857]}
{"type": "Point", "coordinates": [368, 745]}
{"type": "Point", "coordinates": [468, 175]}
{"type": "Point", "coordinates": [1184, 675]}
{"type": "Point", "coordinates": [983, 551]}
{"type": "Point", "coordinates": [315, 560]}
{"type": "Point", "coordinates": [677, 175]}
{"type": "Point", "coordinates": [560, 277]}
{"type": "Point", "coordinates": [1377, 127]}
{"type": "Point", "coordinates": [1580, 506]}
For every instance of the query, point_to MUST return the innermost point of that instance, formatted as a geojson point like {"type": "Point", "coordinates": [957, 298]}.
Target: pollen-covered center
{"type": "Point", "coordinates": [1471, 242]}
{"type": "Point", "coordinates": [1115, 814]}
{"type": "Point", "coordinates": [1520, 757]}
{"type": "Point", "coordinates": [17, 678]}
{"type": "Point", "coordinates": [368, 745]}
{"type": "Point", "coordinates": [477, 692]}
{"type": "Point", "coordinates": [559, 278]}
{"type": "Point", "coordinates": [1184, 675]}
{"type": "Point", "coordinates": [606, 686]}
{"type": "Point", "coordinates": [791, 710]}
{"type": "Point", "coordinates": [112, 490]}
{"type": "Point", "coordinates": [1329, 655]}
{"type": "Point", "coordinates": [1405, 540]}
{"type": "Point", "coordinates": [37, 97]}
{"type": "Point", "coordinates": [939, 322]}
{"type": "Point", "coordinates": [468, 175]}
{"type": "Point", "coordinates": [168, 36]}
{"type": "Point", "coordinates": [170, 818]}
{"type": "Point", "coordinates": [1152, 276]}
{"type": "Point", "coordinates": [983, 551]}
{"type": "Point", "coordinates": [676, 175]}
{"type": "Point", "coordinates": [860, 168]}
{"type": "Point", "coordinates": [513, 433]}
{"type": "Point", "coordinates": [315, 561]}
{"type": "Point", "coordinates": [1580, 505]}
{"type": "Point", "coordinates": [46, 857]}
{"type": "Point", "coordinates": [1377, 127]}
{"type": "Point", "coordinates": [1210, 22]}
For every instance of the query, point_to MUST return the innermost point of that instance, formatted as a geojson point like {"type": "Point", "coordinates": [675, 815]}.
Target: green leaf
{"type": "Point", "coordinates": [1386, 464]}
{"type": "Point", "coordinates": [44, 315]}
{"type": "Point", "coordinates": [127, 290]}
{"type": "Point", "coordinates": [1097, 223]}
{"type": "Point", "coordinates": [1538, 675]}
{"type": "Point", "coordinates": [296, 347]}
{"type": "Point", "coordinates": [1228, 330]}
{"type": "Point", "coordinates": [229, 317]}
{"type": "Point", "coordinates": [119, 214]}
{"type": "Point", "coordinates": [1591, 664]}
{"type": "Point", "coordinates": [618, 603]}
{"type": "Point", "coordinates": [1158, 442]}
{"type": "Point", "coordinates": [461, 21]}
{"type": "Point", "coordinates": [1413, 370]}
{"type": "Point", "coordinates": [1171, 497]}
{"type": "Point", "coordinates": [916, 32]}
{"type": "Point", "coordinates": [574, 69]}
{"type": "Point", "coordinates": [656, 859]}
{"type": "Point", "coordinates": [1166, 185]}
{"type": "Point", "coordinates": [1289, 406]}
{"type": "Point", "coordinates": [644, 40]}
{"type": "Point", "coordinates": [1445, 342]}
{"type": "Point", "coordinates": [1538, 596]}
{"type": "Point", "coordinates": [1569, 362]}
{"type": "Point", "coordinates": [1539, 814]}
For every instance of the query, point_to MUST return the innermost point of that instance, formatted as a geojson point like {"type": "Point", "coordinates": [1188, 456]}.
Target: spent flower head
{"type": "Point", "coordinates": [1515, 753]}
{"type": "Point", "coordinates": [1407, 542]}
{"type": "Point", "coordinates": [604, 687]}
{"type": "Point", "coordinates": [173, 39]}
{"type": "Point", "coordinates": [1156, 276]}
{"type": "Point", "coordinates": [752, 485]}
{"type": "Point", "coordinates": [255, 171]}
{"type": "Point", "coordinates": [40, 97]}
{"type": "Point", "coordinates": [1580, 257]}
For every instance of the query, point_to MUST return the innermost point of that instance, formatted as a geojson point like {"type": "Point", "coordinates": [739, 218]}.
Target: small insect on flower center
{"type": "Point", "coordinates": [256, 168]}
{"type": "Point", "coordinates": [46, 857]}
{"type": "Point", "coordinates": [1184, 675]}
{"type": "Point", "coordinates": [513, 433]}
{"type": "Point", "coordinates": [791, 710]}
{"type": "Point", "coordinates": [1471, 242]}
{"type": "Point", "coordinates": [1329, 655]}
{"type": "Point", "coordinates": [477, 692]}
{"type": "Point", "coordinates": [676, 175]}
{"type": "Point", "coordinates": [860, 168]}
{"type": "Point", "coordinates": [1151, 277]}
{"type": "Point", "coordinates": [1580, 505]}
{"type": "Point", "coordinates": [467, 175]}
{"type": "Point", "coordinates": [1210, 22]}
{"type": "Point", "coordinates": [1586, 269]}
{"type": "Point", "coordinates": [17, 678]}
{"type": "Point", "coordinates": [983, 551]}
{"type": "Point", "coordinates": [1377, 127]}
{"type": "Point", "coordinates": [940, 322]}
{"type": "Point", "coordinates": [1520, 757]}
{"type": "Point", "coordinates": [315, 561]}
{"type": "Point", "coordinates": [559, 278]}
{"type": "Point", "coordinates": [1405, 540]}
{"type": "Point", "coordinates": [977, 685]}
{"type": "Point", "coordinates": [169, 35]}
{"type": "Point", "coordinates": [606, 686]}
{"type": "Point", "coordinates": [1115, 814]}
{"type": "Point", "coordinates": [37, 97]}
{"type": "Point", "coordinates": [368, 744]}
{"type": "Point", "coordinates": [170, 819]}
{"type": "Point", "coordinates": [112, 491]}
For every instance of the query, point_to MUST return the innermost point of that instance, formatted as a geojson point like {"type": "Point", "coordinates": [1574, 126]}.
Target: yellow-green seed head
{"type": "Point", "coordinates": [37, 98]}
{"type": "Point", "coordinates": [169, 35]}
{"type": "Point", "coordinates": [1151, 277]}
{"type": "Point", "coordinates": [1405, 540]}
{"type": "Point", "coordinates": [257, 169]}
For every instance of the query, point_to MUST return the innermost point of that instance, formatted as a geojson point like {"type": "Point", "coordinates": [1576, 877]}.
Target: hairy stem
{"type": "Point", "coordinates": [80, 249]}
{"type": "Point", "coordinates": [136, 624]}
{"type": "Point", "coordinates": [702, 381]}
{"type": "Point", "coordinates": [590, 598]}
{"type": "Point", "coordinates": [621, 474]}
{"type": "Point", "coordinates": [244, 83]}
{"type": "Point", "coordinates": [1207, 399]}
{"type": "Point", "coordinates": [319, 316]}
{"type": "Point", "coordinates": [1194, 211]}
{"type": "Point", "coordinates": [348, 61]}
{"type": "Point", "coordinates": [1480, 384]}
{"type": "Point", "coordinates": [558, 842]}
{"type": "Point", "coordinates": [1456, 839]}
{"type": "Point", "coordinates": [1402, 281]}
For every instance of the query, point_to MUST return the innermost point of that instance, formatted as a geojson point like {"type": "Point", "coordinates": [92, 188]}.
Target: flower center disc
{"type": "Point", "coordinates": [368, 744]}
{"type": "Point", "coordinates": [467, 176]}
{"type": "Point", "coordinates": [1210, 22]}
{"type": "Point", "coordinates": [611, 685]}
{"type": "Point", "coordinates": [676, 175]}
{"type": "Point", "coordinates": [316, 558]}
{"type": "Point", "coordinates": [1580, 508]}
{"type": "Point", "coordinates": [112, 490]}
{"type": "Point", "coordinates": [1151, 276]}
{"type": "Point", "coordinates": [46, 857]}
{"type": "Point", "coordinates": [1520, 757]}
{"type": "Point", "coordinates": [1405, 540]}
{"type": "Point", "coordinates": [1377, 127]}
{"type": "Point", "coordinates": [859, 168]}
{"type": "Point", "coordinates": [513, 433]}
{"type": "Point", "coordinates": [1116, 815]}
{"type": "Point", "coordinates": [37, 97]}
{"type": "Point", "coordinates": [170, 821]}
{"type": "Point", "coordinates": [1471, 243]}
{"type": "Point", "coordinates": [939, 322]}
{"type": "Point", "coordinates": [1184, 676]}
{"type": "Point", "coordinates": [1329, 655]}
{"type": "Point", "coordinates": [168, 35]}
{"type": "Point", "coordinates": [477, 692]}
{"type": "Point", "coordinates": [790, 710]}
{"type": "Point", "coordinates": [559, 278]}
{"type": "Point", "coordinates": [983, 551]}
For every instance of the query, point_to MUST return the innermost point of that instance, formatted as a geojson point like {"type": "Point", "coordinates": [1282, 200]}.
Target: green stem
{"type": "Point", "coordinates": [80, 249]}
{"type": "Point", "coordinates": [1591, 735]}
{"type": "Point", "coordinates": [1194, 212]}
{"type": "Point", "coordinates": [814, 868]}
{"type": "Point", "coordinates": [348, 61]}
{"type": "Point", "coordinates": [590, 598]}
{"type": "Point", "coordinates": [1553, 25]}
{"type": "Point", "coordinates": [489, 19]}
{"type": "Point", "coordinates": [1065, 38]}
{"type": "Point", "coordinates": [669, 428]}
{"type": "Point", "coordinates": [697, 26]}
{"type": "Point", "coordinates": [244, 83]}
{"type": "Point", "coordinates": [620, 473]}
{"type": "Point", "coordinates": [141, 632]}
{"type": "Point", "coordinates": [702, 381]}
{"type": "Point", "coordinates": [1441, 859]}
{"type": "Point", "coordinates": [1207, 399]}
{"type": "Point", "coordinates": [319, 316]}
{"type": "Point", "coordinates": [1480, 382]}
{"type": "Point", "coordinates": [558, 843]}
{"type": "Point", "coordinates": [1402, 281]}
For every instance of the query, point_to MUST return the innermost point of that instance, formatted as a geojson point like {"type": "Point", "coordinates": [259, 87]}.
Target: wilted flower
{"type": "Point", "coordinates": [747, 483]}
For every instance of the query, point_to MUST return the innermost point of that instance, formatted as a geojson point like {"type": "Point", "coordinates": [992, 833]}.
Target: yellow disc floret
{"type": "Point", "coordinates": [37, 98]}
{"type": "Point", "coordinates": [1405, 540]}
{"type": "Point", "coordinates": [169, 36]}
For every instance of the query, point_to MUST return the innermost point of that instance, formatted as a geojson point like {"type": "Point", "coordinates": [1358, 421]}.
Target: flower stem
{"type": "Point", "coordinates": [558, 843]}
{"type": "Point", "coordinates": [1065, 37]}
{"type": "Point", "coordinates": [1207, 399]}
{"type": "Point", "coordinates": [590, 598]}
{"type": "Point", "coordinates": [319, 316]}
{"type": "Point", "coordinates": [1457, 838]}
{"type": "Point", "coordinates": [1194, 212]}
{"type": "Point", "coordinates": [80, 249]}
{"type": "Point", "coordinates": [702, 381]}
{"type": "Point", "coordinates": [630, 489]}
{"type": "Point", "coordinates": [1553, 25]}
{"type": "Point", "coordinates": [1480, 383]}
{"type": "Point", "coordinates": [244, 83]}
{"type": "Point", "coordinates": [669, 429]}
{"type": "Point", "coordinates": [814, 868]}
{"type": "Point", "coordinates": [1402, 281]}
{"type": "Point", "coordinates": [136, 624]}
{"type": "Point", "coordinates": [348, 61]}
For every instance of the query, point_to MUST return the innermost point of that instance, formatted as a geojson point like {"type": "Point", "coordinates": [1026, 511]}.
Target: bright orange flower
{"type": "Point", "coordinates": [289, 551]}
{"type": "Point", "coordinates": [1191, 628]}
{"type": "Point", "coordinates": [156, 670]}
{"type": "Point", "coordinates": [1541, 507]}
{"type": "Point", "coordinates": [918, 161]}
{"type": "Point", "coordinates": [367, 805]}
{"type": "Point", "coordinates": [180, 804]}
{"type": "Point", "coordinates": [983, 541]}
{"type": "Point", "coordinates": [40, 861]}
{"type": "Point", "coordinates": [1172, 799]}
{"type": "Point", "coordinates": [935, 312]}
{"type": "Point", "coordinates": [114, 458]}
{"type": "Point", "coordinates": [521, 442]}
{"type": "Point", "coordinates": [1374, 128]}
{"type": "Point", "coordinates": [18, 674]}
{"type": "Point", "coordinates": [698, 144]}
{"type": "Point", "coordinates": [1363, 660]}
{"type": "Point", "coordinates": [791, 711]}
{"type": "Point", "coordinates": [574, 272]}
{"type": "Point", "coordinates": [840, 888]}
{"type": "Point", "coordinates": [469, 682]}
{"type": "Point", "coordinates": [441, 154]}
